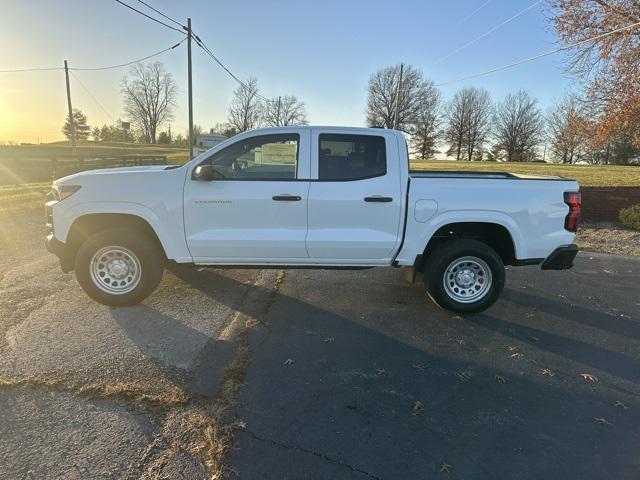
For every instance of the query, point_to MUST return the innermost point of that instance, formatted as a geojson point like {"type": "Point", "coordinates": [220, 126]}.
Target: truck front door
{"type": "Point", "coordinates": [255, 207]}
{"type": "Point", "coordinates": [355, 197]}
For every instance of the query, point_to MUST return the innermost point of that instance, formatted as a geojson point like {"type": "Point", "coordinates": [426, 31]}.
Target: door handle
{"type": "Point", "coordinates": [379, 199]}
{"type": "Point", "coordinates": [286, 198]}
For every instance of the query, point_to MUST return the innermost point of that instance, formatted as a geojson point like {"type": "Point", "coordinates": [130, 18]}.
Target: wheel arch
{"type": "Point", "coordinates": [493, 234]}
{"type": "Point", "coordinates": [90, 223]}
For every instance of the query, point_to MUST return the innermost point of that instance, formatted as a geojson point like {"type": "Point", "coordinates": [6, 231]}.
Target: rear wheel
{"type": "Point", "coordinates": [464, 275]}
{"type": "Point", "coordinates": [119, 266]}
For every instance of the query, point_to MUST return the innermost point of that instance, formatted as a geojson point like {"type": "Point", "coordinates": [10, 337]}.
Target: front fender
{"type": "Point", "coordinates": [170, 234]}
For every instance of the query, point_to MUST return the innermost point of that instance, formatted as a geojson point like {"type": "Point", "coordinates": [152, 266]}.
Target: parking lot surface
{"type": "Point", "coordinates": [317, 374]}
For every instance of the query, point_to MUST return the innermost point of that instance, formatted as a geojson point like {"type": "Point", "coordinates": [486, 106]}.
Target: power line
{"type": "Point", "coordinates": [148, 16]}
{"type": "Point", "coordinates": [540, 55]}
{"type": "Point", "coordinates": [489, 32]}
{"type": "Point", "coordinates": [474, 12]}
{"type": "Point", "coordinates": [197, 39]}
{"type": "Point", "coordinates": [96, 68]}
{"type": "Point", "coordinates": [132, 61]}
{"type": "Point", "coordinates": [162, 14]}
{"type": "Point", "coordinates": [202, 45]}
{"type": "Point", "coordinates": [92, 96]}
{"type": "Point", "coordinates": [32, 69]}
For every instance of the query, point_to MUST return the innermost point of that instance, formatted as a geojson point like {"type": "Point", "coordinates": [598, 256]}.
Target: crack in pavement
{"type": "Point", "coordinates": [323, 456]}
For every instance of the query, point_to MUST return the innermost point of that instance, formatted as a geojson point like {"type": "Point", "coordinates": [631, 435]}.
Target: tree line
{"type": "Point", "coordinates": [473, 127]}
{"type": "Point", "coordinates": [149, 97]}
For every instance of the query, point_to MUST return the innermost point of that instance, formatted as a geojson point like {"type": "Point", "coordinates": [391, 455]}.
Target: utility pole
{"type": "Point", "coordinates": [395, 118]}
{"type": "Point", "coordinates": [278, 117]}
{"type": "Point", "coordinates": [71, 122]}
{"type": "Point", "coordinates": [191, 142]}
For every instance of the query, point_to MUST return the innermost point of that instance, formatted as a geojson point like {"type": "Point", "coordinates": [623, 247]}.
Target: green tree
{"type": "Point", "coordinates": [80, 123]}
{"type": "Point", "coordinates": [95, 133]}
{"type": "Point", "coordinates": [163, 138]}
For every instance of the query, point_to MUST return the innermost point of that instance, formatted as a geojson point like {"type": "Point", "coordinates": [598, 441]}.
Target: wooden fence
{"type": "Point", "coordinates": [27, 170]}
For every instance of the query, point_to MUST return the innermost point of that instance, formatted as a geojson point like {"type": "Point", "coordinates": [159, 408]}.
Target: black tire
{"type": "Point", "coordinates": [145, 250]}
{"type": "Point", "coordinates": [439, 260]}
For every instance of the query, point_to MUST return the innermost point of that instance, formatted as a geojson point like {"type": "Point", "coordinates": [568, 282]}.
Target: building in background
{"type": "Point", "coordinates": [208, 140]}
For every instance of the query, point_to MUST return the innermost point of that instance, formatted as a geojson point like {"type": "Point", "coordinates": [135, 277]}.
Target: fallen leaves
{"type": "Point", "coordinates": [380, 371]}
{"type": "Point", "coordinates": [500, 379]}
{"type": "Point", "coordinates": [601, 421]}
{"type": "Point", "coordinates": [464, 376]}
{"type": "Point", "coordinates": [445, 468]}
{"type": "Point", "coordinates": [548, 372]}
{"type": "Point", "coordinates": [329, 340]}
{"type": "Point", "coordinates": [514, 352]}
{"type": "Point", "coordinates": [589, 377]}
{"type": "Point", "coordinates": [419, 366]}
{"type": "Point", "coordinates": [417, 408]}
{"type": "Point", "coordinates": [288, 361]}
{"type": "Point", "coordinates": [621, 404]}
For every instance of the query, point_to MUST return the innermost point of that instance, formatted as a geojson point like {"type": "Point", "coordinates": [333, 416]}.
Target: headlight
{"type": "Point", "coordinates": [65, 191]}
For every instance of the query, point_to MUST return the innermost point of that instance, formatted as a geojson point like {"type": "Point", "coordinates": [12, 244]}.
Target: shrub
{"type": "Point", "coordinates": [630, 217]}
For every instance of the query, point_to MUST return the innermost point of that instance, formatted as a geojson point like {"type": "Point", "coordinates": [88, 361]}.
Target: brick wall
{"type": "Point", "coordinates": [602, 204]}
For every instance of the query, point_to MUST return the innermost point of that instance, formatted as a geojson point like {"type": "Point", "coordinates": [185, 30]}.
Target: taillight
{"type": "Point", "coordinates": [572, 219]}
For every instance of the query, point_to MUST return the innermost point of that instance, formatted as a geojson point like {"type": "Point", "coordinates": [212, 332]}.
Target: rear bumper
{"type": "Point", "coordinates": [58, 248]}
{"type": "Point", "coordinates": [561, 258]}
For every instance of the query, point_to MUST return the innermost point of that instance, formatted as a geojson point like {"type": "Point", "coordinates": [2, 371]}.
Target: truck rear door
{"type": "Point", "coordinates": [355, 197]}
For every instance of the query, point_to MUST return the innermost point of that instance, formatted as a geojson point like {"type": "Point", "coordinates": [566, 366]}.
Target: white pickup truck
{"type": "Point", "coordinates": [310, 197]}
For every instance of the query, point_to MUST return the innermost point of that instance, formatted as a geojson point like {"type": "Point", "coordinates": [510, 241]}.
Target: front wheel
{"type": "Point", "coordinates": [119, 267]}
{"type": "Point", "coordinates": [464, 275]}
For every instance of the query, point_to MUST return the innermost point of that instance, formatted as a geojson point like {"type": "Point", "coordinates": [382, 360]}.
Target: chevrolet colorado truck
{"type": "Point", "coordinates": [310, 197]}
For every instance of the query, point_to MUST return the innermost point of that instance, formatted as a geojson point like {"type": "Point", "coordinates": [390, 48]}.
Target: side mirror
{"type": "Point", "coordinates": [206, 173]}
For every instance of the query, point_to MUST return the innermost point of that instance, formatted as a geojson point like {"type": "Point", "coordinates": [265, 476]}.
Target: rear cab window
{"type": "Point", "coordinates": [343, 157]}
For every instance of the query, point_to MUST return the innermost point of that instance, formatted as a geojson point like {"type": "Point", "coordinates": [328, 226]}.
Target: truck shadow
{"type": "Point", "coordinates": [328, 395]}
{"type": "Point", "coordinates": [625, 326]}
{"type": "Point", "coordinates": [193, 360]}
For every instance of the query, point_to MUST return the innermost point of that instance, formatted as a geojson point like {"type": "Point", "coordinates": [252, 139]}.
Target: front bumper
{"type": "Point", "coordinates": [59, 249]}
{"type": "Point", "coordinates": [561, 258]}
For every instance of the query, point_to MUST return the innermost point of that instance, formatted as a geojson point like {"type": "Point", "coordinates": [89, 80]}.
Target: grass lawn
{"type": "Point", "coordinates": [586, 175]}
{"type": "Point", "coordinates": [29, 195]}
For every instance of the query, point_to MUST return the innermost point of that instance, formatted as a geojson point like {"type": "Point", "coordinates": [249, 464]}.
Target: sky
{"type": "Point", "coordinates": [321, 51]}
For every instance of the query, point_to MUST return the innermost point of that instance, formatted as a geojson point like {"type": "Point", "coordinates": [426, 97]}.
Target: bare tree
{"type": "Point", "coordinates": [245, 111]}
{"type": "Point", "coordinates": [468, 122]}
{"type": "Point", "coordinates": [425, 131]}
{"type": "Point", "coordinates": [388, 95]}
{"type": "Point", "coordinates": [519, 126]}
{"type": "Point", "coordinates": [478, 124]}
{"type": "Point", "coordinates": [565, 129]}
{"type": "Point", "coordinates": [283, 111]}
{"type": "Point", "coordinates": [149, 97]}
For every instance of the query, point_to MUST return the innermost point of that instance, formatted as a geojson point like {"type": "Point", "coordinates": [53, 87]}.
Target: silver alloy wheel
{"type": "Point", "coordinates": [467, 279]}
{"type": "Point", "coordinates": [115, 270]}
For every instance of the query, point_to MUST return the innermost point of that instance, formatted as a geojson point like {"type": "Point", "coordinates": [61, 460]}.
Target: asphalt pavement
{"type": "Point", "coordinates": [322, 374]}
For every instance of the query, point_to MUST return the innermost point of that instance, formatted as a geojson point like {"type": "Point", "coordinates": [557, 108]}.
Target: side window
{"type": "Point", "coordinates": [351, 157]}
{"type": "Point", "coordinates": [267, 157]}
